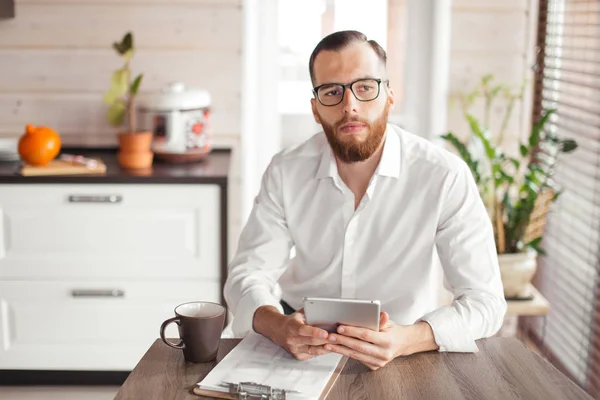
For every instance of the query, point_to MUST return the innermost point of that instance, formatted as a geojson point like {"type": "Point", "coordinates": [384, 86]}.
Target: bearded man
{"type": "Point", "coordinates": [369, 209]}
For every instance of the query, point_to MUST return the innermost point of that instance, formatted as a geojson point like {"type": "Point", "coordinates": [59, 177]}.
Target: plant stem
{"type": "Point", "coordinates": [131, 122]}
{"type": "Point", "coordinates": [131, 115]}
{"type": "Point", "coordinates": [507, 115]}
{"type": "Point", "coordinates": [500, 228]}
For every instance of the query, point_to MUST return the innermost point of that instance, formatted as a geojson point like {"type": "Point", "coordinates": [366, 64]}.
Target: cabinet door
{"type": "Point", "coordinates": [116, 231]}
{"type": "Point", "coordinates": [80, 325]}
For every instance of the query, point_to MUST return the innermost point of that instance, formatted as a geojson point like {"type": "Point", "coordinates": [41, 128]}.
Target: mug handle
{"type": "Point", "coordinates": [164, 325]}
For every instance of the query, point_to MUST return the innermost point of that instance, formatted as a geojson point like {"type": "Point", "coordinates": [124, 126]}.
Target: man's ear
{"type": "Point", "coordinates": [391, 97]}
{"type": "Point", "coordinates": [313, 104]}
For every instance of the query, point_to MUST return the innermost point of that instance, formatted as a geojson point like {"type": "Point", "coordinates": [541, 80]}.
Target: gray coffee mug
{"type": "Point", "coordinates": [200, 325]}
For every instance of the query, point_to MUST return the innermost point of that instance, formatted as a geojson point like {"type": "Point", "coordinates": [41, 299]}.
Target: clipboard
{"type": "Point", "coordinates": [231, 396]}
{"type": "Point", "coordinates": [257, 368]}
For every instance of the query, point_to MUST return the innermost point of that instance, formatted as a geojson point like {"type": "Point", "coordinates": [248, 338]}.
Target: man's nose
{"type": "Point", "coordinates": [350, 102]}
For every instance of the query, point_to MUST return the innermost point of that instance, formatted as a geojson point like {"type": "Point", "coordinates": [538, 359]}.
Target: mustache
{"type": "Point", "coordinates": [351, 119]}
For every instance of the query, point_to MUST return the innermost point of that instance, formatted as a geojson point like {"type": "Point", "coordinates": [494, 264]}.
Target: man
{"type": "Point", "coordinates": [368, 208]}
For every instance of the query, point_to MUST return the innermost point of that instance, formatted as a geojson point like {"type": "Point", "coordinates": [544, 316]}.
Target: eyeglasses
{"type": "Point", "coordinates": [332, 94]}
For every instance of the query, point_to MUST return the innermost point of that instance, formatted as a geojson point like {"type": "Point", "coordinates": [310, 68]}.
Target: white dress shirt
{"type": "Point", "coordinates": [420, 199]}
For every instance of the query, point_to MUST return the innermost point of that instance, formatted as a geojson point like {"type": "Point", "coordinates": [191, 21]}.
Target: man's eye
{"type": "Point", "coordinates": [332, 92]}
{"type": "Point", "coordinates": [365, 88]}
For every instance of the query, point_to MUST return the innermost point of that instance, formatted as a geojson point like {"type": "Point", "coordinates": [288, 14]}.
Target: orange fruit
{"type": "Point", "coordinates": [39, 145]}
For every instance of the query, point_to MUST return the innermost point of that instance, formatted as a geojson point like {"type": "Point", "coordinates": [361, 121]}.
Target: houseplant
{"type": "Point", "coordinates": [134, 147]}
{"type": "Point", "coordinates": [517, 189]}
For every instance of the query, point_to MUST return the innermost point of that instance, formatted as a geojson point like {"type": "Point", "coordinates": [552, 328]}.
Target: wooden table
{"type": "Point", "coordinates": [503, 369]}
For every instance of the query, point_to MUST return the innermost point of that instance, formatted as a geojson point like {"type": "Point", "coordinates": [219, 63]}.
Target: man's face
{"type": "Point", "coordinates": [354, 128]}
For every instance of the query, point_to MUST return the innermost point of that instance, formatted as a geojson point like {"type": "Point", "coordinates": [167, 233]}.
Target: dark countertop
{"type": "Point", "coordinates": [213, 169]}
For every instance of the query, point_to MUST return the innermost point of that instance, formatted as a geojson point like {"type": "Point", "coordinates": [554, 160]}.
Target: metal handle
{"type": "Point", "coordinates": [97, 293]}
{"type": "Point", "coordinates": [111, 198]}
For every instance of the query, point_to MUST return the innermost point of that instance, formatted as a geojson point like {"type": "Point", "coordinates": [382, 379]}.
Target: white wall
{"type": "Point", "coordinates": [56, 61]}
{"type": "Point", "coordinates": [493, 37]}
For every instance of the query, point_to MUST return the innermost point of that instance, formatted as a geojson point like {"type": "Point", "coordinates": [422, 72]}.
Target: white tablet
{"type": "Point", "coordinates": [327, 313]}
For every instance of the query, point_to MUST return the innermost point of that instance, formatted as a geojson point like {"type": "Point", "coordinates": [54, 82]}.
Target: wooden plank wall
{"type": "Point", "coordinates": [492, 37]}
{"type": "Point", "coordinates": [56, 61]}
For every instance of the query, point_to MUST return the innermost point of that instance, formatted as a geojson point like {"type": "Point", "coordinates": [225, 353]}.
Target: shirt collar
{"type": "Point", "coordinates": [389, 165]}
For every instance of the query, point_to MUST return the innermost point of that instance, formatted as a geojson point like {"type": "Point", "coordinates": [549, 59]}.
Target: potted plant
{"type": "Point", "coordinates": [134, 147]}
{"type": "Point", "coordinates": [517, 189]}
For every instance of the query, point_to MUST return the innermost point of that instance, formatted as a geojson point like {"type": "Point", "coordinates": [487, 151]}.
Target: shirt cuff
{"type": "Point", "coordinates": [449, 331]}
{"type": "Point", "coordinates": [244, 315]}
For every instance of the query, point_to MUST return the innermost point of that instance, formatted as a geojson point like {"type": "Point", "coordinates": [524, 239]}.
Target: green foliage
{"type": "Point", "coordinates": [509, 185]}
{"type": "Point", "coordinates": [122, 92]}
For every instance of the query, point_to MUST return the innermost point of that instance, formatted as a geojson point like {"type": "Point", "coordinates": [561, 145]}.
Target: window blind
{"type": "Point", "coordinates": [568, 80]}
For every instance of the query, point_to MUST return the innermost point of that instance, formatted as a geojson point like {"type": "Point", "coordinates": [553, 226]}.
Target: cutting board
{"type": "Point", "coordinates": [59, 167]}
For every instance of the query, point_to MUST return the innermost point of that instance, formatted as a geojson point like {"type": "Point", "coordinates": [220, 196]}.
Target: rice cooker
{"type": "Point", "coordinates": [179, 120]}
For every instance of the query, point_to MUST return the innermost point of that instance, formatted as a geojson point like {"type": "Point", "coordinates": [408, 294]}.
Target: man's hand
{"type": "Point", "coordinates": [376, 349]}
{"type": "Point", "coordinates": [290, 332]}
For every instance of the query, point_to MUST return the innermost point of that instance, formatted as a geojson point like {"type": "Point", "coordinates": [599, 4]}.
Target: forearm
{"type": "Point", "coordinates": [418, 338]}
{"type": "Point", "coordinates": [264, 319]}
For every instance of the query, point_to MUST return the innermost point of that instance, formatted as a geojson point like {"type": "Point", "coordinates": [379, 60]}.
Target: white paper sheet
{"type": "Point", "coordinates": [257, 359]}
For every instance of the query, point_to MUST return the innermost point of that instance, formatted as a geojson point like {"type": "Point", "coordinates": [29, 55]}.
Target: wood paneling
{"type": "Point", "coordinates": [193, 25]}
{"type": "Point", "coordinates": [85, 114]}
{"type": "Point", "coordinates": [90, 70]}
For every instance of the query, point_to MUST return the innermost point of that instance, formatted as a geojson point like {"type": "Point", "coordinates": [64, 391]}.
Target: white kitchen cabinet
{"type": "Point", "coordinates": [89, 271]}
{"type": "Point", "coordinates": [47, 325]}
{"type": "Point", "coordinates": [109, 231]}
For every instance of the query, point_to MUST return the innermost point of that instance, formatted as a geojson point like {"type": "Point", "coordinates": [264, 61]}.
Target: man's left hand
{"type": "Point", "coordinates": [376, 349]}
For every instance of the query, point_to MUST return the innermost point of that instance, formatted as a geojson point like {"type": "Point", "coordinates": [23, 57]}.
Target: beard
{"type": "Point", "coordinates": [348, 149]}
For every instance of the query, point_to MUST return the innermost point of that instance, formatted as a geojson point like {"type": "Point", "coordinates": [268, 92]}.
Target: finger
{"type": "Point", "coordinates": [299, 316]}
{"type": "Point", "coordinates": [359, 346]}
{"type": "Point", "coordinates": [363, 358]}
{"type": "Point", "coordinates": [319, 350]}
{"type": "Point", "coordinates": [383, 319]}
{"type": "Point", "coordinates": [311, 331]}
{"type": "Point", "coordinates": [311, 341]}
{"type": "Point", "coordinates": [364, 334]}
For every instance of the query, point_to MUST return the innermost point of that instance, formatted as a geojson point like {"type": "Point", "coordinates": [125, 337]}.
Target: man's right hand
{"type": "Point", "coordinates": [290, 332]}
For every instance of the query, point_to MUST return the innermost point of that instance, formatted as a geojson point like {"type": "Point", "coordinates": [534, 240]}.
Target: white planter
{"type": "Point", "coordinates": [517, 270]}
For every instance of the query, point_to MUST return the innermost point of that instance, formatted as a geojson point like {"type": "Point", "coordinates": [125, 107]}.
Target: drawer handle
{"type": "Point", "coordinates": [97, 293]}
{"type": "Point", "coordinates": [111, 198]}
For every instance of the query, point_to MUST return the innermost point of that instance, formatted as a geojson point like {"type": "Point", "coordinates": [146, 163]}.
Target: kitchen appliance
{"type": "Point", "coordinates": [179, 120]}
{"type": "Point", "coordinates": [9, 149]}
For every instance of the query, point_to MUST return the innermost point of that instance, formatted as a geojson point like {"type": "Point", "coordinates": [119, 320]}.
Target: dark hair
{"type": "Point", "coordinates": [339, 40]}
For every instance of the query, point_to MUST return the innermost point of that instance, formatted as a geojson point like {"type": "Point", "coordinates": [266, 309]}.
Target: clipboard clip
{"type": "Point", "coordinates": [254, 391]}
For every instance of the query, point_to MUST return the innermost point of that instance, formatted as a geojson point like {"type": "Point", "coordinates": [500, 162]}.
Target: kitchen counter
{"type": "Point", "coordinates": [213, 169]}
{"type": "Point", "coordinates": [99, 251]}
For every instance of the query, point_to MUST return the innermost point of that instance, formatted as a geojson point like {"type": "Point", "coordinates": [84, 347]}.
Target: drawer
{"type": "Point", "coordinates": [43, 326]}
{"type": "Point", "coordinates": [113, 231]}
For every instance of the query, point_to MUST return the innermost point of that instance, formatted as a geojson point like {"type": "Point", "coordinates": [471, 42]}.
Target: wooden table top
{"type": "Point", "coordinates": [503, 369]}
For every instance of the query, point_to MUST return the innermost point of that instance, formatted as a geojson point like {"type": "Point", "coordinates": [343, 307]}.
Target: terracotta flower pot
{"type": "Point", "coordinates": [135, 150]}
{"type": "Point", "coordinates": [517, 270]}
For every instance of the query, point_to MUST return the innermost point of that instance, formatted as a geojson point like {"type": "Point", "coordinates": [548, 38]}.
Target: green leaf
{"type": "Point", "coordinates": [136, 85]}
{"type": "Point", "coordinates": [116, 114]}
{"type": "Point", "coordinates": [538, 127]}
{"type": "Point", "coordinates": [535, 244]}
{"type": "Point", "coordinates": [556, 195]}
{"type": "Point", "coordinates": [490, 152]}
{"type": "Point", "coordinates": [516, 164]}
{"type": "Point", "coordinates": [486, 79]}
{"type": "Point", "coordinates": [568, 145]}
{"type": "Point", "coordinates": [110, 96]}
{"type": "Point", "coordinates": [464, 154]}
{"type": "Point", "coordinates": [524, 150]}
{"type": "Point", "coordinates": [125, 45]}
{"type": "Point", "coordinates": [118, 86]}
{"type": "Point", "coordinates": [120, 80]}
